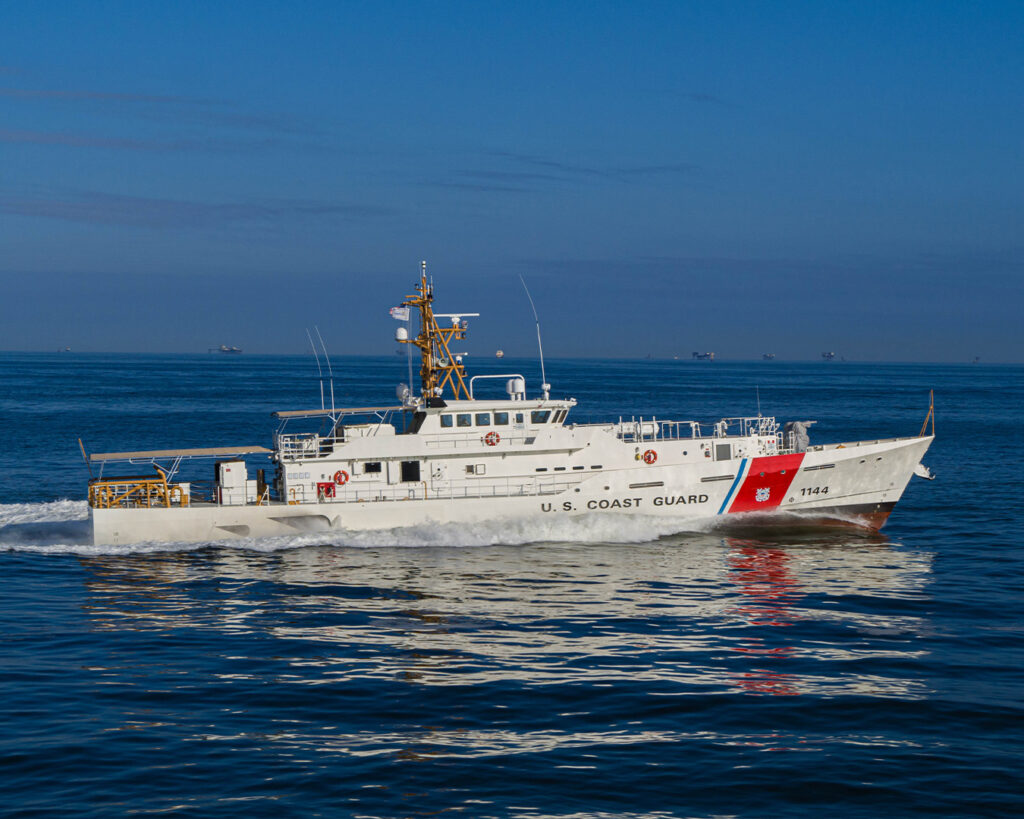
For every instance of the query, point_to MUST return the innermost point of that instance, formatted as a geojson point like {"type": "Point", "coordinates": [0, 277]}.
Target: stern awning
{"type": "Point", "coordinates": [148, 455]}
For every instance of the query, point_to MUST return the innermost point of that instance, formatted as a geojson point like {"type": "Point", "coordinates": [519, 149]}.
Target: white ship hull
{"type": "Point", "coordinates": [856, 484]}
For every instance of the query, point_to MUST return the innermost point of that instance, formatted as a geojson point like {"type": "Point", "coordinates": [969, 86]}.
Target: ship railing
{"type": "Point", "coordinates": [202, 491]}
{"type": "Point", "coordinates": [507, 437]}
{"type": "Point", "coordinates": [438, 490]}
{"type": "Point", "coordinates": [135, 491]}
{"type": "Point", "coordinates": [298, 445]}
{"type": "Point", "coordinates": [653, 429]}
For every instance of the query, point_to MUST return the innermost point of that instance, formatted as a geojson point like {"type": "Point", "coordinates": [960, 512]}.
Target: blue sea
{"type": "Point", "coordinates": [612, 667]}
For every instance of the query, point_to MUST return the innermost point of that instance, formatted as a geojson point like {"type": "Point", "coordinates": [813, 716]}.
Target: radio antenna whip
{"type": "Point", "coordinates": [319, 372]}
{"type": "Point", "coordinates": [330, 372]}
{"type": "Point", "coordinates": [545, 386]}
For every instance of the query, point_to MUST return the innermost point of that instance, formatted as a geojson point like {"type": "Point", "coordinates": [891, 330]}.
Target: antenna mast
{"type": "Point", "coordinates": [439, 368]}
{"type": "Point", "coordinates": [545, 386]}
{"type": "Point", "coordinates": [329, 370]}
{"type": "Point", "coordinates": [320, 372]}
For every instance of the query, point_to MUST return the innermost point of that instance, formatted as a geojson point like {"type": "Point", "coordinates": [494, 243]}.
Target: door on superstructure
{"type": "Point", "coordinates": [439, 478]}
{"type": "Point", "coordinates": [410, 471]}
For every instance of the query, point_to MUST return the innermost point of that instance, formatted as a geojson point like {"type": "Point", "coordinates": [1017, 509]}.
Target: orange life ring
{"type": "Point", "coordinates": [492, 438]}
{"type": "Point", "coordinates": [341, 477]}
{"type": "Point", "coordinates": [650, 456]}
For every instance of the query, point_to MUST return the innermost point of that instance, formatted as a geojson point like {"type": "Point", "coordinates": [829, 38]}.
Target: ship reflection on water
{"type": "Point", "coordinates": [700, 612]}
{"type": "Point", "coordinates": [421, 653]}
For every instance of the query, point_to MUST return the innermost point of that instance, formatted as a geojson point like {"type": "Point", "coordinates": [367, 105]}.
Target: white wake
{"type": "Point", "coordinates": [62, 527]}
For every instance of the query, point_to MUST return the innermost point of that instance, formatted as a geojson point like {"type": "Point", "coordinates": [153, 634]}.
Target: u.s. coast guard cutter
{"type": "Point", "coordinates": [446, 456]}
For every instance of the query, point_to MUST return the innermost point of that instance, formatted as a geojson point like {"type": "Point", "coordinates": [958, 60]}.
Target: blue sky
{"type": "Point", "coordinates": [737, 177]}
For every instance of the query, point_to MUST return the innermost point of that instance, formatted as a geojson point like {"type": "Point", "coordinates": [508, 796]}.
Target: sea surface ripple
{"type": "Point", "coordinates": [618, 667]}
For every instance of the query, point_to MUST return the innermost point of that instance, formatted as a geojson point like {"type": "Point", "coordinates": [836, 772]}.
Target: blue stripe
{"type": "Point", "coordinates": [735, 483]}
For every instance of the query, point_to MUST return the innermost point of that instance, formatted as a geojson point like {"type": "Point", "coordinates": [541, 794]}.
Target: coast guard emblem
{"type": "Point", "coordinates": [762, 495]}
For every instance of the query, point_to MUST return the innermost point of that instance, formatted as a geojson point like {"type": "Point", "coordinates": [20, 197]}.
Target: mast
{"type": "Point", "coordinates": [438, 367]}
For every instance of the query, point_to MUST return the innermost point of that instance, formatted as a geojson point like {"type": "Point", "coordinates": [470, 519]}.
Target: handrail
{"type": "Point", "coordinates": [496, 375]}
{"type": "Point", "coordinates": [125, 492]}
{"type": "Point", "coordinates": [526, 487]}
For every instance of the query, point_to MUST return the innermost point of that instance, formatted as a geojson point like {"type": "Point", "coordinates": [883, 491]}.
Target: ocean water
{"type": "Point", "coordinates": [620, 667]}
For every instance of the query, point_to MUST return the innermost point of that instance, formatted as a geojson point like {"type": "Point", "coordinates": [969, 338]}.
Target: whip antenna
{"type": "Point", "coordinates": [545, 386]}
{"type": "Point", "coordinates": [320, 372]}
{"type": "Point", "coordinates": [330, 372]}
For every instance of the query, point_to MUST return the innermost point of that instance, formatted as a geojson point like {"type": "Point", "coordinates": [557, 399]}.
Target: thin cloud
{"type": "Point", "coordinates": [205, 144]}
{"type": "Point", "coordinates": [86, 141]}
{"type": "Point", "coordinates": [514, 176]}
{"type": "Point", "coordinates": [99, 208]}
{"type": "Point", "coordinates": [619, 172]}
{"type": "Point", "coordinates": [100, 96]}
{"type": "Point", "coordinates": [178, 109]}
{"type": "Point", "coordinates": [699, 97]}
{"type": "Point", "coordinates": [482, 187]}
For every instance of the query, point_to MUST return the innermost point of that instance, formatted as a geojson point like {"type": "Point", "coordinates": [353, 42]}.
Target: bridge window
{"type": "Point", "coordinates": [446, 421]}
{"type": "Point", "coordinates": [371, 466]}
{"type": "Point", "coordinates": [464, 419]}
{"type": "Point", "coordinates": [483, 419]}
{"type": "Point", "coordinates": [501, 419]}
{"type": "Point", "coordinates": [540, 416]}
{"type": "Point", "coordinates": [519, 418]}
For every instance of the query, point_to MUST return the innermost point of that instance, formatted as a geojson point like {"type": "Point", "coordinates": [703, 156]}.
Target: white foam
{"type": "Point", "coordinates": [595, 528]}
{"type": "Point", "coordinates": [59, 510]}
{"type": "Point", "coordinates": [62, 527]}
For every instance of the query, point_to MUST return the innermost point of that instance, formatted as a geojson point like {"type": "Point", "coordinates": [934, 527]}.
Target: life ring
{"type": "Point", "coordinates": [341, 477]}
{"type": "Point", "coordinates": [492, 438]}
{"type": "Point", "coordinates": [650, 456]}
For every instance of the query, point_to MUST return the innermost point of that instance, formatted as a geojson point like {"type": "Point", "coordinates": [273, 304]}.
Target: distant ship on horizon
{"type": "Point", "coordinates": [703, 356]}
{"type": "Point", "coordinates": [225, 349]}
{"type": "Point", "coordinates": [828, 356]}
{"type": "Point", "coordinates": [768, 356]}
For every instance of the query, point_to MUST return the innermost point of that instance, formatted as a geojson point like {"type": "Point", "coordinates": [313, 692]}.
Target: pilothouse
{"type": "Point", "coordinates": [446, 456]}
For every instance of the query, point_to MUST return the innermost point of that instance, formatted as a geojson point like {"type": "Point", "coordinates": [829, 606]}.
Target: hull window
{"type": "Point", "coordinates": [410, 471]}
{"type": "Point", "coordinates": [723, 452]}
